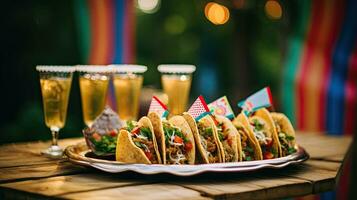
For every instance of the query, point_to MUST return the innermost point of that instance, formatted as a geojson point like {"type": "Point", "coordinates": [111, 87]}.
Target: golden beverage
{"type": "Point", "coordinates": [177, 88]}
{"type": "Point", "coordinates": [94, 89]}
{"type": "Point", "coordinates": [127, 92]}
{"type": "Point", "coordinates": [55, 94]}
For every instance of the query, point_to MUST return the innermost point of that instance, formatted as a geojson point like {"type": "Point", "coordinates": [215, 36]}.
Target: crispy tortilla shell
{"type": "Point", "coordinates": [242, 120]}
{"type": "Point", "coordinates": [128, 152]}
{"type": "Point", "coordinates": [208, 122]}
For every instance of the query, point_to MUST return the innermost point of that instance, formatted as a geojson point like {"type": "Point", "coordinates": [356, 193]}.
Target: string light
{"type": "Point", "coordinates": [273, 9]}
{"type": "Point", "coordinates": [148, 6]}
{"type": "Point", "coordinates": [216, 13]}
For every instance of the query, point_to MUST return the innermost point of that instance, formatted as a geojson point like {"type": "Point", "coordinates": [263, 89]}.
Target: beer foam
{"type": "Point", "coordinates": [176, 68]}
{"type": "Point", "coordinates": [128, 68]}
{"type": "Point", "coordinates": [55, 68]}
{"type": "Point", "coordinates": [94, 68]}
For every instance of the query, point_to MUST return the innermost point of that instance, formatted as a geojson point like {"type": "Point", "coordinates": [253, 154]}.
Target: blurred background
{"type": "Point", "coordinates": [237, 46]}
{"type": "Point", "coordinates": [305, 50]}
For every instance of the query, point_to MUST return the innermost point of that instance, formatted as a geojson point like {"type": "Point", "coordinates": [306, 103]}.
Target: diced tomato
{"type": "Point", "coordinates": [178, 139]}
{"type": "Point", "coordinates": [148, 154]}
{"type": "Point", "coordinates": [188, 146]}
{"type": "Point", "coordinates": [113, 133]}
{"type": "Point", "coordinates": [268, 155]}
{"type": "Point", "coordinates": [136, 130]}
{"type": "Point", "coordinates": [269, 142]}
{"type": "Point", "coordinates": [223, 127]}
{"type": "Point", "coordinates": [215, 121]}
{"type": "Point", "coordinates": [96, 137]}
{"type": "Point", "coordinates": [229, 141]}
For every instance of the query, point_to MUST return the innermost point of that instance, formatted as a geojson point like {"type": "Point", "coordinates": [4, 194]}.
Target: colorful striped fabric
{"type": "Point", "coordinates": [319, 87]}
{"type": "Point", "coordinates": [320, 76]}
{"type": "Point", "coordinates": [106, 33]}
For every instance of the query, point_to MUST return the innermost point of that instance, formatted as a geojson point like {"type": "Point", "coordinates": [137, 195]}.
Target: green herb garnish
{"type": "Point", "coordinates": [169, 131]}
{"type": "Point", "coordinates": [130, 125]}
{"type": "Point", "coordinates": [291, 150]}
{"type": "Point", "coordinates": [289, 137]}
{"type": "Point", "coordinates": [106, 144]}
{"type": "Point", "coordinates": [257, 125]}
{"type": "Point", "coordinates": [220, 135]}
{"type": "Point", "coordinates": [144, 131]}
{"type": "Point", "coordinates": [249, 149]}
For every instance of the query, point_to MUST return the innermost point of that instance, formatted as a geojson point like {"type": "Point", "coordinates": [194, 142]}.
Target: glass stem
{"type": "Point", "coordinates": [54, 132]}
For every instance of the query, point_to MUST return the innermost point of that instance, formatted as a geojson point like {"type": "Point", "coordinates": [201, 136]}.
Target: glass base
{"type": "Point", "coordinates": [53, 152]}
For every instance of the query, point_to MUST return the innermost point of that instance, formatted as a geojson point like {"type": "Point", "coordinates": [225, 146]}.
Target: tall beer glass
{"type": "Point", "coordinates": [176, 81]}
{"type": "Point", "coordinates": [55, 88]}
{"type": "Point", "coordinates": [128, 80]}
{"type": "Point", "coordinates": [93, 84]}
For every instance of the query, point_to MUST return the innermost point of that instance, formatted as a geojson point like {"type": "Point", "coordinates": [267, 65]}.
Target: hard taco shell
{"type": "Point", "coordinates": [180, 122]}
{"type": "Point", "coordinates": [265, 114]}
{"type": "Point", "coordinates": [242, 120]}
{"type": "Point", "coordinates": [194, 128]}
{"type": "Point", "coordinates": [128, 152]}
{"type": "Point", "coordinates": [285, 125]}
{"type": "Point", "coordinates": [234, 135]}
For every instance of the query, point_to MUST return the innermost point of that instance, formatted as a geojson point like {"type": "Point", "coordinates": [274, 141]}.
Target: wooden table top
{"type": "Point", "coordinates": [24, 173]}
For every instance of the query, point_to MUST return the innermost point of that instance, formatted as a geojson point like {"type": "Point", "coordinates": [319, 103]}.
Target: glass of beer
{"type": "Point", "coordinates": [128, 80]}
{"type": "Point", "coordinates": [55, 88]}
{"type": "Point", "coordinates": [93, 84]}
{"type": "Point", "coordinates": [176, 81]}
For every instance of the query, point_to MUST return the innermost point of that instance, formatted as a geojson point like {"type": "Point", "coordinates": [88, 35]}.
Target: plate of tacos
{"type": "Point", "coordinates": [184, 146]}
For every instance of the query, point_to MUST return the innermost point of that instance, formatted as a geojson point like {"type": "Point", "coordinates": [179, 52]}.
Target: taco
{"type": "Point", "coordinates": [227, 138]}
{"type": "Point", "coordinates": [286, 133]}
{"type": "Point", "coordinates": [137, 143]}
{"type": "Point", "coordinates": [261, 125]}
{"type": "Point", "coordinates": [206, 139]}
{"type": "Point", "coordinates": [175, 139]}
{"type": "Point", "coordinates": [250, 146]}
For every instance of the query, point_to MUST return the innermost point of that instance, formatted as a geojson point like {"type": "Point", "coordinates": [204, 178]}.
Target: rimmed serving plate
{"type": "Point", "coordinates": [80, 154]}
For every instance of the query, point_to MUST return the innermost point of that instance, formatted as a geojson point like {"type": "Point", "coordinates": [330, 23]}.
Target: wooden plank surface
{"type": "Point", "coordinates": [29, 153]}
{"type": "Point", "coordinates": [11, 174]}
{"type": "Point", "coordinates": [151, 191]}
{"type": "Point", "coordinates": [324, 147]}
{"type": "Point", "coordinates": [61, 185]}
{"type": "Point", "coordinates": [311, 177]}
{"type": "Point", "coordinates": [23, 168]}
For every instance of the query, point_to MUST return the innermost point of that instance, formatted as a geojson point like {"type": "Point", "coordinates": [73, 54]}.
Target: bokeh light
{"type": "Point", "coordinates": [175, 24]}
{"type": "Point", "coordinates": [216, 13]}
{"type": "Point", "coordinates": [148, 6]}
{"type": "Point", "coordinates": [273, 9]}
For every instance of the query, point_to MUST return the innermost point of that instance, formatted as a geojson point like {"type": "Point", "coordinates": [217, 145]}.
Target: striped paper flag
{"type": "Point", "coordinates": [157, 106]}
{"type": "Point", "coordinates": [221, 107]}
{"type": "Point", "coordinates": [199, 108]}
{"type": "Point", "coordinates": [260, 99]}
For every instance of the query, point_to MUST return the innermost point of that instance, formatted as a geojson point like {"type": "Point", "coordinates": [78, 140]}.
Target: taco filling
{"type": "Point", "coordinates": [247, 149]}
{"type": "Point", "coordinates": [224, 137]}
{"type": "Point", "coordinates": [265, 142]}
{"type": "Point", "coordinates": [177, 145]}
{"type": "Point", "coordinates": [286, 141]}
{"type": "Point", "coordinates": [208, 142]}
{"type": "Point", "coordinates": [142, 138]}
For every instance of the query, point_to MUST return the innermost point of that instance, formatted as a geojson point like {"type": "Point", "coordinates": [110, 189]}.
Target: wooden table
{"type": "Point", "coordinates": [24, 173]}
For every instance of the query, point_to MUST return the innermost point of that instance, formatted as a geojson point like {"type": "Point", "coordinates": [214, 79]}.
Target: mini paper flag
{"type": "Point", "coordinates": [221, 107]}
{"type": "Point", "coordinates": [199, 108]}
{"type": "Point", "coordinates": [157, 106]}
{"type": "Point", "coordinates": [260, 99]}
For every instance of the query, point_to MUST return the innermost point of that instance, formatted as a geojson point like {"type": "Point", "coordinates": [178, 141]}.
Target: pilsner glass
{"type": "Point", "coordinates": [55, 88]}
{"type": "Point", "coordinates": [128, 80]}
{"type": "Point", "coordinates": [176, 81]}
{"type": "Point", "coordinates": [93, 83]}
